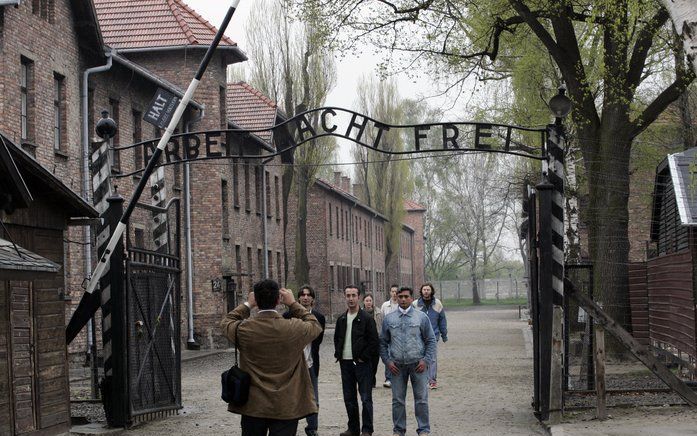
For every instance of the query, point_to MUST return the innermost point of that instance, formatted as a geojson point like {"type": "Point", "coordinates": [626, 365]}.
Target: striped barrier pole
{"type": "Point", "coordinates": [121, 226]}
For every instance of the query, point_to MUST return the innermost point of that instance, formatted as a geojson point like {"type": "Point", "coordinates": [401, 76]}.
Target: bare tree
{"type": "Point", "coordinates": [383, 178]}
{"type": "Point", "coordinates": [289, 64]}
{"type": "Point", "coordinates": [476, 199]}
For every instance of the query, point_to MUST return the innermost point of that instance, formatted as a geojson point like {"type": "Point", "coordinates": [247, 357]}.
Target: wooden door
{"type": "Point", "coordinates": [5, 406]}
{"type": "Point", "coordinates": [22, 357]}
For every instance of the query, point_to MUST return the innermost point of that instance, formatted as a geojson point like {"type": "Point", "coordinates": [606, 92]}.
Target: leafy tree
{"type": "Point", "coordinates": [604, 51]}
{"type": "Point", "coordinates": [288, 63]}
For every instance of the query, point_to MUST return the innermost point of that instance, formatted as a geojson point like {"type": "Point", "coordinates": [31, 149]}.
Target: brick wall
{"type": "Point", "coordinates": [343, 244]}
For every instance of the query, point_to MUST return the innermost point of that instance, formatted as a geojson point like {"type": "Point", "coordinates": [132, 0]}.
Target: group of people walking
{"type": "Point", "coordinates": [281, 354]}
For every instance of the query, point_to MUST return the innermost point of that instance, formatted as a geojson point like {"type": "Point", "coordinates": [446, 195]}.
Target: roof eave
{"type": "Point", "coordinates": [240, 55]}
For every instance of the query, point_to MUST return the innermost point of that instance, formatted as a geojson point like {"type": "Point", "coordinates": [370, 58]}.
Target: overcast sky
{"type": "Point", "coordinates": [349, 68]}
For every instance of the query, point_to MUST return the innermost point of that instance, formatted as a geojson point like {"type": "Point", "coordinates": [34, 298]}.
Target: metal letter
{"type": "Point", "coordinates": [324, 120]}
{"type": "Point", "coordinates": [451, 139]}
{"type": "Point", "coordinates": [307, 128]}
{"type": "Point", "coordinates": [482, 131]}
{"type": "Point", "coordinates": [352, 124]}
{"type": "Point", "coordinates": [210, 141]}
{"type": "Point", "coordinates": [381, 128]}
{"type": "Point", "coordinates": [418, 136]}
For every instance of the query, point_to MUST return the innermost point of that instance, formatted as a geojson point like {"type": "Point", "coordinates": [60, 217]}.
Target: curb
{"type": "Point", "coordinates": [207, 353]}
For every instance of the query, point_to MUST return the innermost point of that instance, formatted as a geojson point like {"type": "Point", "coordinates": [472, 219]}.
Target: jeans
{"type": "Point", "coordinates": [433, 368]}
{"type": "Point", "coordinates": [312, 420]}
{"type": "Point", "coordinates": [358, 374]}
{"type": "Point", "coordinates": [252, 426]}
{"type": "Point", "coordinates": [419, 384]}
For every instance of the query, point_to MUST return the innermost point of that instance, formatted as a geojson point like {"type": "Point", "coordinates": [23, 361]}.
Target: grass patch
{"type": "Point", "coordinates": [466, 302]}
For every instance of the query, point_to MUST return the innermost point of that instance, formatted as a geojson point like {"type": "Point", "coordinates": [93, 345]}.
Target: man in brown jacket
{"type": "Point", "coordinates": [271, 351]}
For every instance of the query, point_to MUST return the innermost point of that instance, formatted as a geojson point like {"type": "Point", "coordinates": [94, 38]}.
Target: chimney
{"type": "Point", "coordinates": [346, 184]}
{"type": "Point", "coordinates": [337, 178]}
{"type": "Point", "coordinates": [358, 192]}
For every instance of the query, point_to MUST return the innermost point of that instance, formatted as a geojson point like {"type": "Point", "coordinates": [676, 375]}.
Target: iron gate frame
{"type": "Point", "coordinates": [144, 263]}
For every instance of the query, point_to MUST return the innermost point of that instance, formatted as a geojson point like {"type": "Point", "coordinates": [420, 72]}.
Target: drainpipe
{"type": "Point", "coordinates": [263, 217]}
{"type": "Point", "coordinates": [87, 248]}
{"type": "Point", "coordinates": [351, 242]}
{"type": "Point", "coordinates": [190, 341]}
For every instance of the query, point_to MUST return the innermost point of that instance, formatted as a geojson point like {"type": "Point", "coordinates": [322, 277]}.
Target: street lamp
{"type": "Point", "coordinates": [560, 105]}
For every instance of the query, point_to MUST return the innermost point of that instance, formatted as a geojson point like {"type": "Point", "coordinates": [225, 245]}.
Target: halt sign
{"type": "Point", "coordinates": [161, 108]}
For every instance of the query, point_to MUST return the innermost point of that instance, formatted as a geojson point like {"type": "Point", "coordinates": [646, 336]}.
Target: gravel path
{"type": "Point", "coordinates": [485, 378]}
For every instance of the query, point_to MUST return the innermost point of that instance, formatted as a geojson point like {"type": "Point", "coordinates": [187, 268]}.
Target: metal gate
{"type": "Point", "coordinates": [153, 272]}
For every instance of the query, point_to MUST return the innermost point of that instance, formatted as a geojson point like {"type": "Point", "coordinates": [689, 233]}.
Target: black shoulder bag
{"type": "Point", "coordinates": [235, 381]}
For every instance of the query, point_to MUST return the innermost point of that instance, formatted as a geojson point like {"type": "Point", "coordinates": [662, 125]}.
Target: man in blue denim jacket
{"type": "Point", "coordinates": [407, 347]}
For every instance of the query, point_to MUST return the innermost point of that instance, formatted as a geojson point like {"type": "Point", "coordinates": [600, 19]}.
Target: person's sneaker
{"type": "Point", "coordinates": [432, 385]}
{"type": "Point", "coordinates": [365, 433]}
{"type": "Point", "coordinates": [348, 433]}
{"type": "Point", "coordinates": [387, 384]}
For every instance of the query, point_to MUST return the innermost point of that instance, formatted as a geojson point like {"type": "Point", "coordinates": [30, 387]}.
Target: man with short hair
{"type": "Point", "coordinates": [388, 307]}
{"type": "Point", "coordinates": [271, 352]}
{"type": "Point", "coordinates": [355, 346]}
{"type": "Point", "coordinates": [433, 308]}
{"type": "Point", "coordinates": [306, 297]}
{"type": "Point", "coordinates": [407, 347]}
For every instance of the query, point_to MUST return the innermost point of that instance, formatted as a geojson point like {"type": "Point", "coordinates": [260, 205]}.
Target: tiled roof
{"type": "Point", "coordinates": [13, 257]}
{"type": "Point", "coordinates": [348, 196]}
{"type": "Point", "coordinates": [248, 108]}
{"type": "Point", "coordinates": [411, 205]}
{"type": "Point", "coordinates": [153, 23]}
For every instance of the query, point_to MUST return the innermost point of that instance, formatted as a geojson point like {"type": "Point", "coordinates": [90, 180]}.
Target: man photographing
{"type": "Point", "coordinates": [272, 353]}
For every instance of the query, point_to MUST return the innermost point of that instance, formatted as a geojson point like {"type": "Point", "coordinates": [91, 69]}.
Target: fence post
{"type": "Point", "coordinates": [599, 353]}
{"type": "Point", "coordinates": [545, 296]}
{"type": "Point", "coordinates": [555, 392]}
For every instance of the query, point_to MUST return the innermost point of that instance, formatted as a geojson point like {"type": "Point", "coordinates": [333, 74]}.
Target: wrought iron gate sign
{"type": "Point", "coordinates": [358, 128]}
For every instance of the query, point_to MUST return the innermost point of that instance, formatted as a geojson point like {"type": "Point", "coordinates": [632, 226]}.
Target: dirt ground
{"type": "Point", "coordinates": [485, 378]}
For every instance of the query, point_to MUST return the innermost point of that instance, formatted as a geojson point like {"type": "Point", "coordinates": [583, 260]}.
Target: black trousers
{"type": "Point", "coordinates": [252, 426]}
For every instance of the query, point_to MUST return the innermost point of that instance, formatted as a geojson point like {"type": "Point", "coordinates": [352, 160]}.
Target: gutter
{"type": "Point", "coordinates": [84, 93]}
{"type": "Point", "coordinates": [190, 341]}
{"type": "Point", "coordinates": [236, 50]}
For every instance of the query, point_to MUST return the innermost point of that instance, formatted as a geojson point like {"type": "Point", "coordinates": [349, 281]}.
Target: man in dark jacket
{"type": "Point", "coordinates": [306, 297]}
{"type": "Point", "coordinates": [356, 345]}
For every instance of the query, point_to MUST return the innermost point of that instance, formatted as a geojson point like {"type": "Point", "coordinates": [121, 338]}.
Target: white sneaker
{"type": "Point", "coordinates": [387, 384]}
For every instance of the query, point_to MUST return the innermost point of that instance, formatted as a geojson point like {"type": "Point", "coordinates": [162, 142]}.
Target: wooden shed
{"type": "Point", "coordinates": [663, 289]}
{"type": "Point", "coordinates": [35, 210]}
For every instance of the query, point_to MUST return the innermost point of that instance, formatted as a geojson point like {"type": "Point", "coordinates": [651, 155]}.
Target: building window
{"type": "Point", "coordinates": [260, 262]}
{"type": "Point", "coordinates": [26, 86]}
{"type": "Point", "coordinates": [59, 133]}
{"type": "Point", "coordinates": [257, 189]}
{"type": "Point", "coordinates": [331, 278]}
{"type": "Point", "coordinates": [277, 187]}
{"type": "Point", "coordinates": [139, 236]}
{"type": "Point", "coordinates": [247, 200]}
{"type": "Point", "coordinates": [268, 194]}
{"type": "Point", "coordinates": [114, 142]}
{"type": "Point", "coordinates": [250, 266]}
{"type": "Point", "coordinates": [278, 265]}
{"type": "Point", "coordinates": [137, 137]}
{"type": "Point", "coordinates": [226, 209]}
{"type": "Point", "coordinates": [235, 184]}
{"type": "Point", "coordinates": [269, 253]}
{"type": "Point", "coordinates": [336, 213]}
{"type": "Point", "coordinates": [44, 9]}
{"type": "Point", "coordinates": [331, 227]}
{"type": "Point", "coordinates": [223, 108]}
{"type": "Point", "coordinates": [238, 259]}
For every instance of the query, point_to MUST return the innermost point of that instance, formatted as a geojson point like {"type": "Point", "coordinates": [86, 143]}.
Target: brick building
{"type": "Point", "coordinates": [227, 201]}
{"type": "Point", "coordinates": [346, 245]}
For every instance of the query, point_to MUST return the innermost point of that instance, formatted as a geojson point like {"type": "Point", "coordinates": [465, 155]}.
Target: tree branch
{"type": "Point", "coordinates": [642, 47]}
{"type": "Point", "coordinates": [660, 103]}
